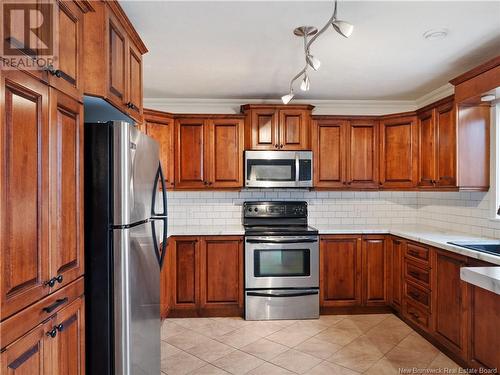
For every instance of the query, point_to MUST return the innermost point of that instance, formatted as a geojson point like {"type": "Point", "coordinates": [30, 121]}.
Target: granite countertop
{"type": "Point", "coordinates": [484, 277]}
{"type": "Point", "coordinates": [419, 233]}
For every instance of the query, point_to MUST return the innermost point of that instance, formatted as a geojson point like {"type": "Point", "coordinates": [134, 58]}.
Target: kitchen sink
{"type": "Point", "coordinates": [491, 247]}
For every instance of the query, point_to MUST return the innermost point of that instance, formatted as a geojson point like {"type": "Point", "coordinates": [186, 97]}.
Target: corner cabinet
{"type": "Point", "coordinates": [205, 276]}
{"type": "Point", "coordinates": [113, 58]}
{"type": "Point", "coordinates": [209, 152]}
{"type": "Point", "coordinates": [277, 127]}
{"type": "Point", "coordinates": [398, 152]}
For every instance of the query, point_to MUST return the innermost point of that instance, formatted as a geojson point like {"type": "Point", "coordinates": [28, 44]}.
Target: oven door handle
{"type": "Point", "coordinates": [282, 241]}
{"type": "Point", "coordinates": [297, 294]}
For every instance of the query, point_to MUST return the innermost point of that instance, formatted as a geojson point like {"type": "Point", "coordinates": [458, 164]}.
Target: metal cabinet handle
{"type": "Point", "coordinates": [60, 327]}
{"type": "Point", "coordinates": [52, 333]}
{"type": "Point", "coordinates": [414, 253]}
{"type": "Point", "coordinates": [414, 295]}
{"type": "Point", "coordinates": [414, 274]}
{"type": "Point", "coordinates": [276, 146]}
{"type": "Point", "coordinates": [281, 146]}
{"type": "Point", "coordinates": [131, 106]}
{"type": "Point", "coordinates": [55, 305]}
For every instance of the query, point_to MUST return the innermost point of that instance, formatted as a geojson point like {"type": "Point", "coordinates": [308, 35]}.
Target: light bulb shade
{"type": "Point", "coordinates": [313, 62]}
{"type": "Point", "coordinates": [286, 98]}
{"type": "Point", "coordinates": [343, 28]}
{"type": "Point", "coordinates": [305, 84]}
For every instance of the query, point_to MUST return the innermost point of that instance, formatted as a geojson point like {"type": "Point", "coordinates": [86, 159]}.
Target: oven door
{"type": "Point", "coordinates": [268, 169]}
{"type": "Point", "coordinates": [281, 262]}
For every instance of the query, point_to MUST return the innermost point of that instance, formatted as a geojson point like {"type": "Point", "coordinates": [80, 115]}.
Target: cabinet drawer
{"type": "Point", "coordinates": [416, 252]}
{"type": "Point", "coordinates": [20, 323]}
{"type": "Point", "coordinates": [417, 316]}
{"type": "Point", "coordinates": [418, 295]}
{"type": "Point", "coordinates": [418, 275]}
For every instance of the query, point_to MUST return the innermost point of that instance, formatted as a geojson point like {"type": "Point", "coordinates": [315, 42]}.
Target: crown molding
{"type": "Point", "coordinates": [322, 107]}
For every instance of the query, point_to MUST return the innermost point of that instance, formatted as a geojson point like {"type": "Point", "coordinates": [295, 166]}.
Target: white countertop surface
{"type": "Point", "coordinates": [419, 233]}
{"type": "Point", "coordinates": [484, 277]}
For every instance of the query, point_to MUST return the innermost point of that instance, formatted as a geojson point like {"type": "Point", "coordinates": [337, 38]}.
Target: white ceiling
{"type": "Point", "coordinates": [246, 49]}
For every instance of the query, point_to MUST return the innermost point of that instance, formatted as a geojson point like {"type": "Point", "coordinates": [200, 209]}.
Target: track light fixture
{"type": "Point", "coordinates": [310, 34]}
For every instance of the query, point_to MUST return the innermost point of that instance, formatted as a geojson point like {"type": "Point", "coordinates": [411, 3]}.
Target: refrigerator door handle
{"type": "Point", "coordinates": [160, 249]}
{"type": "Point", "coordinates": [159, 178]}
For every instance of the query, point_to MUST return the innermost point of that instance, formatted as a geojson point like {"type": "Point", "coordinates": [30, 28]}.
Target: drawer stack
{"type": "Point", "coordinates": [417, 283]}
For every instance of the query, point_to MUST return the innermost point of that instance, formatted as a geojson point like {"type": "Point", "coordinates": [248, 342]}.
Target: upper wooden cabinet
{"type": "Point", "coordinates": [437, 146]}
{"type": "Point", "coordinates": [277, 127]}
{"type": "Point", "coordinates": [113, 58]}
{"type": "Point", "coordinates": [208, 152]}
{"type": "Point", "coordinates": [345, 153]}
{"type": "Point", "coordinates": [160, 126]}
{"type": "Point", "coordinates": [398, 152]}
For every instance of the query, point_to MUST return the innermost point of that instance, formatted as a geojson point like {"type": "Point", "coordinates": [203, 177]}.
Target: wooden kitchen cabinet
{"type": "Point", "coordinates": [206, 275]}
{"type": "Point", "coordinates": [437, 146]}
{"type": "Point", "coordinates": [328, 147]}
{"type": "Point", "coordinates": [66, 193]}
{"type": "Point", "coordinates": [396, 249]}
{"type": "Point", "coordinates": [375, 273]}
{"type": "Point", "coordinates": [362, 154]}
{"type": "Point", "coordinates": [449, 302]}
{"type": "Point", "coordinates": [398, 152]}
{"type": "Point", "coordinates": [160, 126]}
{"type": "Point", "coordinates": [209, 153]}
{"type": "Point", "coordinates": [54, 347]}
{"type": "Point", "coordinates": [221, 273]}
{"type": "Point", "coordinates": [277, 127]}
{"type": "Point", "coordinates": [340, 271]}
{"type": "Point", "coordinates": [24, 188]}
{"type": "Point", "coordinates": [113, 58]}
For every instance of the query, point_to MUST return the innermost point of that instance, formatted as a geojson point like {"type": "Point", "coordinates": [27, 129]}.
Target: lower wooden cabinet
{"type": "Point", "coordinates": [396, 250]}
{"type": "Point", "coordinates": [206, 276]}
{"type": "Point", "coordinates": [353, 271]}
{"type": "Point", "coordinates": [54, 347]}
{"type": "Point", "coordinates": [449, 301]}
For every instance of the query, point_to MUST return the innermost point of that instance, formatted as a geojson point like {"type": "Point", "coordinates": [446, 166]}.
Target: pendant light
{"type": "Point", "coordinates": [342, 27]}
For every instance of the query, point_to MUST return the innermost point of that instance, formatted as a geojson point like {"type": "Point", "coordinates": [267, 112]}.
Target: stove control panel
{"type": "Point", "coordinates": [275, 209]}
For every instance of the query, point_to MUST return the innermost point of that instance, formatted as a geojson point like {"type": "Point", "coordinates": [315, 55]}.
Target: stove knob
{"type": "Point", "coordinates": [256, 209]}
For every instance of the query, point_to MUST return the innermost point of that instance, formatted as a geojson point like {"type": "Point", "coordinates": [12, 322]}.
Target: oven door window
{"type": "Point", "coordinates": [271, 170]}
{"type": "Point", "coordinates": [282, 263]}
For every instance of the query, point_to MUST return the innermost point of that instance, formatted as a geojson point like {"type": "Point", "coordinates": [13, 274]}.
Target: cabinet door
{"type": "Point", "coordinates": [117, 51]}
{"type": "Point", "coordinates": [225, 151]}
{"type": "Point", "coordinates": [398, 157]}
{"type": "Point", "coordinates": [24, 166]}
{"type": "Point", "coordinates": [185, 272]}
{"type": "Point", "coordinates": [221, 273]}
{"type": "Point", "coordinates": [449, 301]}
{"type": "Point", "coordinates": [190, 154]}
{"type": "Point", "coordinates": [484, 335]}
{"type": "Point", "coordinates": [427, 149]}
{"type": "Point", "coordinates": [362, 154]}
{"type": "Point", "coordinates": [340, 271]}
{"type": "Point", "coordinates": [66, 188]}
{"type": "Point", "coordinates": [30, 354]}
{"type": "Point", "coordinates": [375, 260]}
{"type": "Point", "coordinates": [328, 145]}
{"type": "Point", "coordinates": [264, 129]}
{"type": "Point", "coordinates": [68, 346]}
{"type": "Point", "coordinates": [134, 82]}
{"type": "Point", "coordinates": [446, 163]}
{"type": "Point", "coordinates": [397, 250]}
{"type": "Point", "coordinates": [68, 77]}
{"type": "Point", "coordinates": [293, 129]}
{"type": "Point", "coordinates": [161, 129]}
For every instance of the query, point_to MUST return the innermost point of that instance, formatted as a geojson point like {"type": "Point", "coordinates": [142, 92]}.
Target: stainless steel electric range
{"type": "Point", "coordinates": [281, 261]}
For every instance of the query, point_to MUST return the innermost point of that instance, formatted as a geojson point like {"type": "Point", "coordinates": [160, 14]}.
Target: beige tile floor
{"type": "Point", "coordinates": [378, 344]}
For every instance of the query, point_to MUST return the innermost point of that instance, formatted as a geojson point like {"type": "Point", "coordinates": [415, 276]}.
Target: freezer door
{"type": "Point", "coordinates": [135, 167]}
{"type": "Point", "coordinates": [136, 301]}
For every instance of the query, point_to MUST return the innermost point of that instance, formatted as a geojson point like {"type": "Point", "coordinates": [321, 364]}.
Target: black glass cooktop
{"type": "Point", "coordinates": [277, 230]}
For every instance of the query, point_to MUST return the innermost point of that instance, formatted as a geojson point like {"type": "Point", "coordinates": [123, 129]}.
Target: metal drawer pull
{"type": "Point", "coordinates": [414, 253]}
{"type": "Point", "coordinates": [414, 295]}
{"type": "Point", "coordinates": [414, 274]}
{"type": "Point", "coordinates": [55, 305]}
{"type": "Point", "coordinates": [298, 294]}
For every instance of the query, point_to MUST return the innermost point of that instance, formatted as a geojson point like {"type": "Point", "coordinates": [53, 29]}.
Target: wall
{"type": "Point", "coordinates": [336, 208]}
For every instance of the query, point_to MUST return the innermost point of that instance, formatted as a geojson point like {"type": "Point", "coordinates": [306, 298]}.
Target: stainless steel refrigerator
{"type": "Point", "coordinates": [125, 229]}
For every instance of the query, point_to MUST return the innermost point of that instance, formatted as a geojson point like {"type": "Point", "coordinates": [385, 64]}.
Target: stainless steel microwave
{"type": "Point", "coordinates": [278, 169]}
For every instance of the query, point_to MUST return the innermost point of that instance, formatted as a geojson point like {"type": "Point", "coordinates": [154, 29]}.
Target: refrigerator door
{"type": "Point", "coordinates": [136, 301]}
{"type": "Point", "coordinates": [135, 167]}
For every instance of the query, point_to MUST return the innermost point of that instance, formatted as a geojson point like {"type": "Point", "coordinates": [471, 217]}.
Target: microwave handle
{"type": "Point", "coordinates": [297, 167]}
